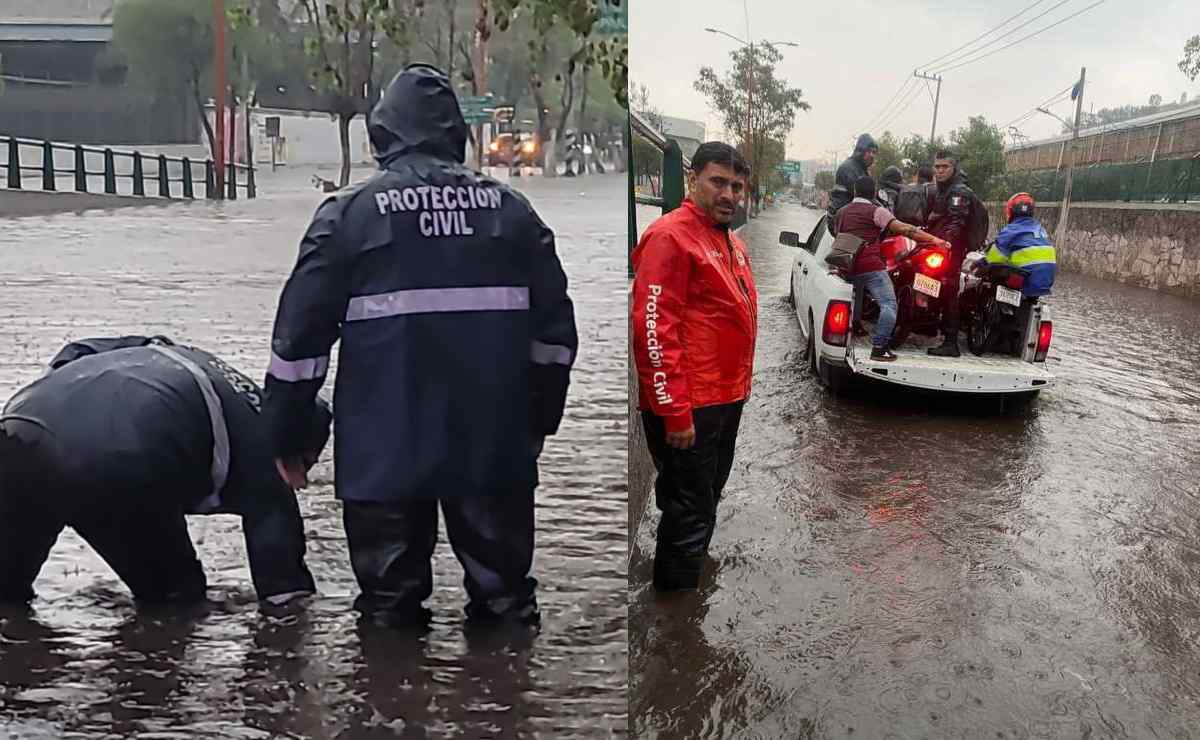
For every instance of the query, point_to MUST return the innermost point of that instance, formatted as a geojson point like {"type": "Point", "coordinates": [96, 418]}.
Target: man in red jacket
{"type": "Point", "coordinates": [695, 315]}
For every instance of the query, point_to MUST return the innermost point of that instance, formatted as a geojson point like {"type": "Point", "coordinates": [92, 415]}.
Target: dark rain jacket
{"type": "Point", "coordinates": [445, 291]}
{"type": "Point", "coordinates": [950, 215]}
{"type": "Point", "coordinates": [843, 192]}
{"type": "Point", "coordinates": [134, 410]}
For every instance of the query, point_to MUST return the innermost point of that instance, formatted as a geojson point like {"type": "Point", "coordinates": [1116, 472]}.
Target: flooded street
{"type": "Point", "coordinates": [888, 567]}
{"type": "Point", "coordinates": [85, 664]}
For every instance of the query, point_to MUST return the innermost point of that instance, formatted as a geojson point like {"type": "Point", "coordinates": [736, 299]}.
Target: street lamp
{"type": "Point", "coordinates": [750, 89]}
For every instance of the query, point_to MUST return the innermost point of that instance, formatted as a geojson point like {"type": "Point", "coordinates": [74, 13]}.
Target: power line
{"type": "Point", "coordinates": [957, 57]}
{"type": "Point", "coordinates": [879, 115]}
{"type": "Point", "coordinates": [1024, 38]}
{"type": "Point", "coordinates": [891, 119]}
{"type": "Point", "coordinates": [1055, 98]}
{"type": "Point", "coordinates": [985, 33]}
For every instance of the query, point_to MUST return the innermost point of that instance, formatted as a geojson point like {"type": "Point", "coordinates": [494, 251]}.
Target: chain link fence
{"type": "Point", "coordinates": [1164, 181]}
{"type": "Point", "coordinates": [1152, 163]}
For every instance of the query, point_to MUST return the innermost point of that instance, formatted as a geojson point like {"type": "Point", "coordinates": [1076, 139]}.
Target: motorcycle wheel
{"type": "Point", "coordinates": [981, 329]}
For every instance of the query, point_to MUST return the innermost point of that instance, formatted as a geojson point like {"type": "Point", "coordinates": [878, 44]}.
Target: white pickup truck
{"type": "Point", "coordinates": [823, 300]}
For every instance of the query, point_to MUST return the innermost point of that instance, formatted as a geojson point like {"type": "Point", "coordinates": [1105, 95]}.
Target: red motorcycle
{"type": "Point", "coordinates": [917, 272]}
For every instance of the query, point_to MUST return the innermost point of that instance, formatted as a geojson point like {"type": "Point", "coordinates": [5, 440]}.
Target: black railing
{"type": "Point", "coordinates": [19, 151]}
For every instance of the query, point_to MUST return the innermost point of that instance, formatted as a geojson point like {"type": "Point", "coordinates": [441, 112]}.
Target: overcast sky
{"type": "Point", "coordinates": [1130, 50]}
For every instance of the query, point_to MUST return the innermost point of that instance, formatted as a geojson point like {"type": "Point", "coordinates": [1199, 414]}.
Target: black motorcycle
{"type": "Point", "coordinates": [994, 308]}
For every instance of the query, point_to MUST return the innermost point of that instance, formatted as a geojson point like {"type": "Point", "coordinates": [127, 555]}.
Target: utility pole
{"type": "Point", "coordinates": [750, 131]}
{"type": "Point", "coordinates": [937, 99]}
{"type": "Point", "coordinates": [1065, 208]}
{"type": "Point", "coordinates": [219, 93]}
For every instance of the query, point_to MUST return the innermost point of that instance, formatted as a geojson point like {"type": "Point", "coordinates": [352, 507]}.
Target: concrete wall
{"type": "Point", "coordinates": [1152, 246]}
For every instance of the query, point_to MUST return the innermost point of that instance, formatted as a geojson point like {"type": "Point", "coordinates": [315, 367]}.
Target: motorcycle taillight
{"type": "Point", "coordinates": [935, 260]}
{"type": "Point", "coordinates": [1015, 281]}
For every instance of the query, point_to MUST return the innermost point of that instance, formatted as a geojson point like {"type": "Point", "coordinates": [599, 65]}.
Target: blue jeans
{"type": "Point", "coordinates": [879, 285]}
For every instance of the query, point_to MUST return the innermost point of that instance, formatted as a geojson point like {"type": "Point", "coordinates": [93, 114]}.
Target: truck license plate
{"type": "Point", "coordinates": [1006, 295]}
{"type": "Point", "coordinates": [927, 285]}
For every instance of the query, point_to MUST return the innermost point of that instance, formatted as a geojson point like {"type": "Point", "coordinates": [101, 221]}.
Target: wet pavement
{"type": "Point", "coordinates": [85, 664]}
{"type": "Point", "coordinates": [888, 567]}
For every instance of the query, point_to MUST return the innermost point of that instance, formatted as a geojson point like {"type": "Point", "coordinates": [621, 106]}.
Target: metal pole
{"type": "Point", "coordinates": [219, 92]}
{"type": "Point", "coordinates": [1064, 212]}
{"type": "Point", "coordinates": [750, 128]}
{"type": "Point", "coordinates": [936, 101]}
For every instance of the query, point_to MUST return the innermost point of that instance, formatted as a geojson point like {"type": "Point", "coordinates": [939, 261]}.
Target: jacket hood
{"type": "Point", "coordinates": [865, 142]}
{"type": "Point", "coordinates": [892, 176]}
{"type": "Point", "coordinates": [418, 113]}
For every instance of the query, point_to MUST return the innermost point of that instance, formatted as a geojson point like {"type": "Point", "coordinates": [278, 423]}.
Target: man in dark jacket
{"type": "Point", "coordinates": [950, 218]}
{"type": "Point", "coordinates": [855, 166]}
{"type": "Point", "coordinates": [124, 436]}
{"type": "Point", "coordinates": [457, 339]}
{"type": "Point", "coordinates": [889, 187]}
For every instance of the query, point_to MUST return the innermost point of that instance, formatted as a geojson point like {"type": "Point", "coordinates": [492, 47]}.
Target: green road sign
{"type": "Point", "coordinates": [475, 100]}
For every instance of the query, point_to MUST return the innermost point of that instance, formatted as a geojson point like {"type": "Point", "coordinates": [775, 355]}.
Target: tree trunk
{"type": "Point", "coordinates": [452, 9]}
{"type": "Point", "coordinates": [583, 102]}
{"type": "Point", "coordinates": [344, 137]}
{"type": "Point", "coordinates": [568, 98]}
{"type": "Point", "coordinates": [539, 99]}
{"type": "Point", "coordinates": [208, 130]}
{"type": "Point", "coordinates": [483, 32]}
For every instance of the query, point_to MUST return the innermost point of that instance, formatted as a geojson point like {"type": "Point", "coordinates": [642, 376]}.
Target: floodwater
{"type": "Point", "coordinates": [888, 567]}
{"type": "Point", "coordinates": [85, 664]}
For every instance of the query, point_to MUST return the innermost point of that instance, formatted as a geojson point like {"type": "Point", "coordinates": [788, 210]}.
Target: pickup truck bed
{"type": "Point", "coordinates": [965, 374]}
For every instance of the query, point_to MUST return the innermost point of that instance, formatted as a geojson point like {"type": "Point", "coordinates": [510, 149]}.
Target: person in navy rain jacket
{"type": "Point", "coordinates": [457, 338]}
{"type": "Point", "coordinates": [123, 437]}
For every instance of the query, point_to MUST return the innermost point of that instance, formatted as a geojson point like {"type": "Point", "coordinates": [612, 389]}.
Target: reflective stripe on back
{"type": "Point", "coordinates": [437, 300]}
{"type": "Point", "coordinates": [216, 416]}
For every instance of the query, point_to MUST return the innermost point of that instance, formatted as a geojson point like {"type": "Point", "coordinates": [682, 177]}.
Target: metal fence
{"type": "Point", "coordinates": [1163, 181]}
{"type": "Point", "coordinates": [49, 166]}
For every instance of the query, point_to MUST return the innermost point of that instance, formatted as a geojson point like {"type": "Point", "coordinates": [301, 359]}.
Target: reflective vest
{"type": "Point", "coordinates": [1024, 243]}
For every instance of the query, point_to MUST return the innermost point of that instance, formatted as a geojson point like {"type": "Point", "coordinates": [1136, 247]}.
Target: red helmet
{"type": "Point", "coordinates": [1019, 205]}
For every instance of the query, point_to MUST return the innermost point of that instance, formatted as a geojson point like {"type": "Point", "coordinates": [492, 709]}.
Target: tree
{"type": "Point", "coordinates": [979, 146]}
{"type": "Point", "coordinates": [773, 113]}
{"type": "Point", "coordinates": [1155, 100]}
{"type": "Point", "coordinates": [824, 180]}
{"type": "Point", "coordinates": [1190, 64]}
{"type": "Point", "coordinates": [341, 41]}
{"type": "Point", "coordinates": [647, 159]}
{"type": "Point", "coordinates": [599, 46]}
{"type": "Point", "coordinates": [168, 44]}
{"type": "Point", "coordinates": [889, 155]}
{"type": "Point", "coordinates": [642, 105]}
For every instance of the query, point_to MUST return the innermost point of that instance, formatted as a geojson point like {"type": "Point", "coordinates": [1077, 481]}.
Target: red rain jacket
{"type": "Point", "coordinates": [694, 314]}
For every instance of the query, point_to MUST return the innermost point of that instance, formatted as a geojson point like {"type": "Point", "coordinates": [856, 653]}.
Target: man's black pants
{"type": "Point", "coordinates": [951, 283]}
{"type": "Point", "coordinates": [687, 491]}
{"type": "Point", "coordinates": [139, 529]}
{"type": "Point", "coordinates": [391, 547]}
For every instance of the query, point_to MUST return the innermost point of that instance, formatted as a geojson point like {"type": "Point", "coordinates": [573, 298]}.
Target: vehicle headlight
{"type": "Point", "coordinates": [528, 147]}
{"type": "Point", "coordinates": [587, 149]}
